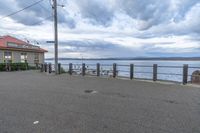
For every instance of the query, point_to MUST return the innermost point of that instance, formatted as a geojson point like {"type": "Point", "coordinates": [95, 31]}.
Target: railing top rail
{"type": "Point", "coordinates": [106, 64]}
{"type": "Point", "coordinates": [123, 65]}
{"type": "Point", "coordinates": [194, 67]}
{"type": "Point", "coordinates": [178, 74]}
{"type": "Point", "coordinates": [143, 66]}
{"type": "Point", "coordinates": [143, 72]}
{"type": "Point", "coordinates": [90, 64]}
{"type": "Point", "coordinates": [65, 64]}
{"type": "Point", "coordinates": [123, 71]}
{"type": "Point", "coordinates": [76, 64]}
{"type": "Point", "coordinates": [171, 66]}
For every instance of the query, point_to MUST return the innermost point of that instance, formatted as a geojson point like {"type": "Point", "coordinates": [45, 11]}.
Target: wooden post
{"type": "Point", "coordinates": [114, 70]}
{"type": "Point", "coordinates": [27, 68]}
{"type": "Point", "coordinates": [185, 74]}
{"type": "Point", "coordinates": [50, 70]}
{"type": "Point", "coordinates": [9, 67]}
{"type": "Point", "coordinates": [98, 69]}
{"type": "Point", "coordinates": [59, 68]}
{"type": "Point", "coordinates": [45, 67]}
{"type": "Point", "coordinates": [155, 66]}
{"type": "Point", "coordinates": [131, 71]}
{"type": "Point", "coordinates": [36, 66]}
{"type": "Point", "coordinates": [83, 69]}
{"type": "Point", "coordinates": [70, 68]}
{"type": "Point", "coordinates": [42, 68]}
{"type": "Point", "coordinates": [18, 68]}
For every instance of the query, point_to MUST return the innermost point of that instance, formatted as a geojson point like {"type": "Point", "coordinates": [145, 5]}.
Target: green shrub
{"type": "Point", "coordinates": [23, 66]}
{"type": "Point", "coordinates": [2, 66]}
{"type": "Point", "coordinates": [14, 66]}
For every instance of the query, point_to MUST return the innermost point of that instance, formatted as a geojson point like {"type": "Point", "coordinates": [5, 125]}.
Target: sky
{"type": "Point", "coordinates": [108, 28]}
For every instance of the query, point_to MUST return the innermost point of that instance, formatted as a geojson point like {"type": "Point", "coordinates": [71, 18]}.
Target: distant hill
{"type": "Point", "coordinates": [135, 58]}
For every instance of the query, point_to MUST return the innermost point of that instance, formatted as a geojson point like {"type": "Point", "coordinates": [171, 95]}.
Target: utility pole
{"type": "Point", "coordinates": [55, 35]}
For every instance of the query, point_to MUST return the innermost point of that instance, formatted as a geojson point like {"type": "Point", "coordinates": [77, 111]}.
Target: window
{"type": "Point", "coordinates": [23, 57]}
{"type": "Point", "coordinates": [36, 59]}
{"type": "Point", "coordinates": [8, 57]}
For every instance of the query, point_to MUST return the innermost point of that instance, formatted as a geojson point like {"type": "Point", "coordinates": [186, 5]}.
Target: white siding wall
{"type": "Point", "coordinates": [1, 56]}
{"type": "Point", "coordinates": [17, 57]}
{"type": "Point", "coordinates": [41, 58]}
{"type": "Point", "coordinates": [31, 57]}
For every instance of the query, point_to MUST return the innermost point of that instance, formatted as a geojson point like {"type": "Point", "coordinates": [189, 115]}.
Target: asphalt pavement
{"type": "Point", "coordinates": [34, 102]}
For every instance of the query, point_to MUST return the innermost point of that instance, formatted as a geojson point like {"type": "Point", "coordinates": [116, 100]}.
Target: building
{"type": "Point", "coordinates": [13, 50]}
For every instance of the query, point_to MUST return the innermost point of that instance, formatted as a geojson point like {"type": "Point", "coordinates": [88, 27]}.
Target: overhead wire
{"type": "Point", "coordinates": [13, 13]}
{"type": "Point", "coordinates": [43, 6]}
{"type": "Point", "coordinates": [36, 23]}
{"type": "Point", "coordinates": [35, 3]}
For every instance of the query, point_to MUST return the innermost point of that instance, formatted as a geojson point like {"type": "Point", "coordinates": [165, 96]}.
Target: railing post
{"type": "Point", "coordinates": [27, 68]}
{"type": "Point", "coordinates": [70, 68]}
{"type": "Point", "coordinates": [18, 67]}
{"type": "Point", "coordinates": [98, 69]}
{"type": "Point", "coordinates": [50, 70]}
{"type": "Point", "coordinates": [45, 67]}
{"type": "Point", "coordinates": [131, 71]}
{"type": "Point", "coordinates": [185, 74]}
{"type": "Point", "coordinates": [83, 69]}
{"type": "Point", "coordinates": [36, 66]}
{"type": "Point", "coordinates": [155, 66]}
{"type": "Point", "coordinates": [42, 68]}
{"type": "Point", "coordinates": [114, 70]}
{"type": "Point", "coordinates": [9, 67]}
{"type": "Point", "coordinates": [59, 68]}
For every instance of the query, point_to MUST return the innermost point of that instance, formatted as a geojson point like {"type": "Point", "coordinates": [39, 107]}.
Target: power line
{"type": "Point", "coordinates": [11, 14]}
{"type": "Point", "coordinates": [42, 6]}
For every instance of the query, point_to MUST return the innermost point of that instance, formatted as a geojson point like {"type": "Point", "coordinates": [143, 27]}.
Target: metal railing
{"type": "Point", "coordinates": [148, 72]}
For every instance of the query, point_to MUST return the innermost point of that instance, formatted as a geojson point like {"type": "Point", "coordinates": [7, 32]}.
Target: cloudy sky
{"type": "Point", "coordinates": [108, 28]}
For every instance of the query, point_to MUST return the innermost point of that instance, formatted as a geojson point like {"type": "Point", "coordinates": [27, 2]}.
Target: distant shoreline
{"type": "Point", "coordinates": [145, 58]}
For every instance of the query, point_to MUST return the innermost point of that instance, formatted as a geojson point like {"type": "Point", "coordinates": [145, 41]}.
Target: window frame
{"type": "Point", "coordinates": [25, 57]}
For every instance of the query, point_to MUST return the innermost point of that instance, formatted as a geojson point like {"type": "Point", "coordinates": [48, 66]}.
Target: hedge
{"type": "Point", "coordinates": [14, 66]}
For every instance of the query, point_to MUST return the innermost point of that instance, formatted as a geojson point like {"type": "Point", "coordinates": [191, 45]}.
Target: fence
{"type": "Point", "coordinates": [148, 72]}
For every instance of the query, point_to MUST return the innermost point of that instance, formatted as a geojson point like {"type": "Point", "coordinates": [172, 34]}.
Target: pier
{"type": "Point", "coordinates": [31, 101]}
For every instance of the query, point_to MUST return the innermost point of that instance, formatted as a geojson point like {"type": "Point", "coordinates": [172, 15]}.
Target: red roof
{"type": "Point", "coordinates": [18, 45]}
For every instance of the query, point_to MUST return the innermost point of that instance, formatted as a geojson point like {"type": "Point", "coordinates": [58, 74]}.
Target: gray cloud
{"type": "Point", "coordinates": [97, 48]}
{"type": "Point", "coordinates": [155, 12]}
{"type": "Point", "coordinates": [35, 13]}
{"type": "Point", "coordinates": [88, 45]}
{"type": "Point", "coordinates": [131, 19]}
{"type": "Point", "coordinates": [96, 11]}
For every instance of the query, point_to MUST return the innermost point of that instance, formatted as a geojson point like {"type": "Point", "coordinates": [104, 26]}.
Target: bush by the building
{"type": "Point", "coordinates": [13, 66]}
{"type": "Point", "coordinates": [2, 66]}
